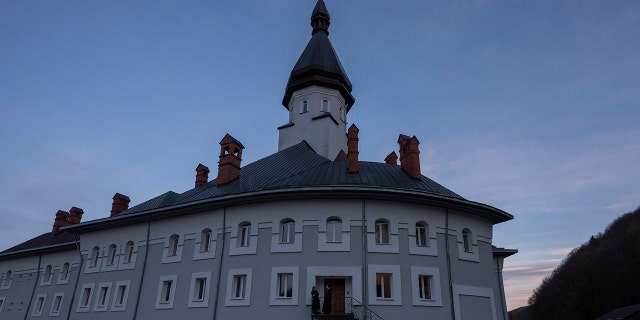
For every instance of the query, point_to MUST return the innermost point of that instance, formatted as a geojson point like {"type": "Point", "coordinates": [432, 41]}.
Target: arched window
{"type": "Point", "coordinates": [64, 273]}
{"type": "Point", "coordinates": [205, 240]}
{"type": "Point", "coordinates": [48, 270]}
{"type": "Point", "coordinates": [467, 239]}
{"type": "Point", "coordinates": [173, 245]}
{"type": "Point", "coordinates": [304, 107]}
{"type": "Point", "coordinates": [95, 254]}
{"type": "Point", "coordinates": [382, 231]}
{"type": "Point", "coordinates": [287, 231]}
{"type": "Point", "coordinates": [244, 234]}
{"type": "Point", "coordinates": [128, 252]}
{"type": "Point", "coordinates": [422, 234]}
{"type": "Point", "coordinates": [111, 254]}
{"type": "Point", "coordinates": [334, 229]}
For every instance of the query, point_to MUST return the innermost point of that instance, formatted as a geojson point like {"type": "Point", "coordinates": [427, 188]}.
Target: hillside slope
{"type": "Point", "coordinates": [601, 275]}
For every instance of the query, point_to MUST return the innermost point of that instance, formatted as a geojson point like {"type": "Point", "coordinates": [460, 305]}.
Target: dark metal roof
{"type": "Point", "coordinates": [44, 241]}
{"type": "Point", "coordinates": [297, 167]}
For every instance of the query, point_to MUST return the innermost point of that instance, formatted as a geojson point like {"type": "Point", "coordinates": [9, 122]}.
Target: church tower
{"type": "Point", "coordinates": [318, 94]}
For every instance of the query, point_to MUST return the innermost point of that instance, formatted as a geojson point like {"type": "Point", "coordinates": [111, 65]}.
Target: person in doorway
{"type": "Point", "coordinates": [326, 306]}
{"type": "Point", "coordinates": [315, 301]}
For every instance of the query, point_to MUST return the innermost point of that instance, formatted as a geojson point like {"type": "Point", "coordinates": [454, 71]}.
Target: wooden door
{"type": "Point", "coordinates": [337, 298]}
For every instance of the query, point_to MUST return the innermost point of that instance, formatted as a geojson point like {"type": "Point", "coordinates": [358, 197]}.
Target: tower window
{"type": "Point", "coordinates": [325, 105]}
{"type": "Point", "coordinates": [304, 107]}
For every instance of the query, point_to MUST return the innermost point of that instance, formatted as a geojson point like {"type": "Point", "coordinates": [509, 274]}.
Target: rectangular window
{"type": "Point", "coordinates": [167, 286]}
{"type": "Point", "coordinates": [120, 296]}
{"type": "Point", "coordinates": [382, 233]}
{"type": "Point", "coordinates": [304, 107]}
{"type": "Point", "coordinates": [86, 297]}
{"type": "Point", "coordinates": [104, 292]}
{"type": "Point", "coordinates": [200, 289]}
{"type": "Point", "coordinates": [325, 106]}
{"type": "Point", "coordinates": [1, 302]}
{"type": "Point", "coordinates": [166, 291]}
{"type": "Point", "coordinates": [37, 308]}
{"type": "Point", "coordinates": [285, 285]}
{"type": "Point", "coordinates": [239, 286]}
{"type": "Point", "coordinates": [383, 285]}
{"type": "Point", "coordinates": [424, 286]}
{"type": "Point", "coordinates": [57, 304]}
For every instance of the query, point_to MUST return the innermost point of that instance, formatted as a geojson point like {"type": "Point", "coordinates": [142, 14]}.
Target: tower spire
{"type": "Point", "coordinates": [320, 18]}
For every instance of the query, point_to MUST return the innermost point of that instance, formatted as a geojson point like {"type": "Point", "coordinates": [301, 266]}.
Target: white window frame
{"type": "Point", "coordinates": [382, 238]}
{"type": "Point", "coordinates": [435, 286]}
{"type": "Point", "coordinates": [63, 277]}
{"type": "Point", "coordinates": [334, 230]}
{"type": "Point", "coordinates": [58, 298]}
{"type": "Point", "coordinates": [304, 106]}
{"type": "Point", "coordinates": [93, 260]}
{"type": "Point", "coordinates": [275, 299]}
{"type": "Point", "coordinates": [121, 289]}
{"type": "Point", "coordinates": [244, 234]}
{"type": "Point", "coordinates": [199, 250]}
{"type": "Point", "coordinates": [196, 282]}
{"type": "Point", "coordinates": [41, 299]}
{"type": "Point", "coordinates": [2, 299]}
{"type": "Point", "coordinates": [231, 300]}
{"type": "Point", "coordinates": [422, 234]}
{"type": "Point", "coordinates": [47, 275]}
{"type": "Point", "coordinates": [324, 105]}
{"type": "Point", "coordinates": [287, 231]}
{"type": "Point", "coordinates": [396, 288]}
{"type": "Point", "coordinates": [173, 249]}
{"type": "Point", "coordinates": [84, 302]}
{"type": "Point", "coordinates": [161, 302]}
{"type": "Point", "coordinates": [103, 296]}
{"type": "Point", "coordinates": [468, 245]}
{"type": "Point", "coordinates": [6, 280]}
{"type": "Point", "coordinates": [112, 253]}
{"type": "Point", "coordinates": [244, 238]}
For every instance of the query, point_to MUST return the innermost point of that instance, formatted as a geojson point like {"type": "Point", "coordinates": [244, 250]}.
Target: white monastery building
{"type": "Point", "coordinates": [253, 242]}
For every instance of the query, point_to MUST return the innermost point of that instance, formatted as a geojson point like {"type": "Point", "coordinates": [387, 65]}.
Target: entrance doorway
{"type": "Point", "coordinates": [337, 296]}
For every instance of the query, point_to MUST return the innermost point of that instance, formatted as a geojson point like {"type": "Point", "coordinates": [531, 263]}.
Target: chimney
{"type": "Point", "coordinates": [62, 219]}
{"type": "Point", "coordinates": [202, 175]}
{"type": "Point", "coordinates": [352, 147]}
{"type": "Point", "coordinates": [75, 215]}
{"type": "Point", "coordinates": [392, 158]}
{"type": "Point", "coordinates": [410, 155]}
{"type": "Point", "coordinates": [230, 159]}
{"type": "Point", "coordinates": [120, 204]}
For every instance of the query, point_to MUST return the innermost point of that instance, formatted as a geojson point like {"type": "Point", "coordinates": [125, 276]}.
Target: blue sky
{"type": "Point", "coordinates": [529, 106]}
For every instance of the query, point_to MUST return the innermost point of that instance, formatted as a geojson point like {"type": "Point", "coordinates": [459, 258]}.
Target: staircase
{"type": "Point", "coordinates": [348, 316]}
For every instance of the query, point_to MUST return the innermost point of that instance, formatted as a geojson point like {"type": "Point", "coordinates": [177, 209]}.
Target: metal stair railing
{"type": "Point", "coordinates": [359, 311]}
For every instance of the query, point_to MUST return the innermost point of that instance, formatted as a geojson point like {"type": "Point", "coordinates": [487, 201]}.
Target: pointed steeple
{"type": "Point", "coordinates": [320, 18]}
{"type": "Point", "coordinates": [319, 63]}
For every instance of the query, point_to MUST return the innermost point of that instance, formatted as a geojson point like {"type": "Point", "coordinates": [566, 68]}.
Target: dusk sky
{"type": "Point", "coordinates": [529, 106]}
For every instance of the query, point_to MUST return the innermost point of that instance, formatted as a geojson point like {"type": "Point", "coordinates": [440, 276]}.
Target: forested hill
{"type": "Point", "coordinates": [601, 275]}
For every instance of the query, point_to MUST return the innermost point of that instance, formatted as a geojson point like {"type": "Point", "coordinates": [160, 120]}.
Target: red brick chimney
{"type": "Point", "coordinates": [410, 155]}
{"type": "Point", "coordinates": [75, 215]}
{"type": "Point", "coordinates": [392, 158]}
{"type": "Point", "coordinates": [120, 204]}
{"type": "Point", "coordinates": [62, 219]}
{"type": "Point", "coordinates": [202, 175]}
{"type": "Point", "coordinates": [352, 147]}
{"type": "Point", "coordinates": [230, 159]}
